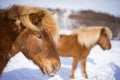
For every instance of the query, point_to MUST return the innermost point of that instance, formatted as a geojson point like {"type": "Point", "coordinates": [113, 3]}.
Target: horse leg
{"type": "Point", "coordinates": [74, 64]}
{"type": "Point", "coordinates": [83, 65]}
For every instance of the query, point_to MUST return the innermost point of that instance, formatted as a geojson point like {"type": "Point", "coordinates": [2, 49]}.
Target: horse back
{"type": "Point", "coordinates": [68, 46]}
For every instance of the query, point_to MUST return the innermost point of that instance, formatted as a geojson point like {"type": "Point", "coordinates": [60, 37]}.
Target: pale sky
{"type": "Point", "coordinates": [108, 6]}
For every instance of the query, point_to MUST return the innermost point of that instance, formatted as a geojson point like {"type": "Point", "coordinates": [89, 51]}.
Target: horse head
{"type": "Point", "coordinates": [37, 40]}
{"type": "Point", "coordinates": [104, 39]}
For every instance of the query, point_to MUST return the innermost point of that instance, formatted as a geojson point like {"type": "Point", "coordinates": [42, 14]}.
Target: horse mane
{"type": "Point", "coordinates": [109, 32]}
{"type": "Point", "coordinates": [48, 20]}
{"type": "Point", "coordinates": [88, 36]}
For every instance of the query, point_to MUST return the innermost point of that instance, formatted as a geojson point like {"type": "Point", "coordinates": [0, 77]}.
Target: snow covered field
{"type": "Point", "coordinates": [101, 65]}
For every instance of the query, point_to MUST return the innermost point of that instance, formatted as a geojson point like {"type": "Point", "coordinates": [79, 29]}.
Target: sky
{"type": "Point", "coordinates": [107, 6]}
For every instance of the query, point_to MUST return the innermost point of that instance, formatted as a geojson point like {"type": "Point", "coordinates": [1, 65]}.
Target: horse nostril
{"type": "Point", "coordinates": [50, 72]}
{"type": "Point", "coordinates": [54, 67]}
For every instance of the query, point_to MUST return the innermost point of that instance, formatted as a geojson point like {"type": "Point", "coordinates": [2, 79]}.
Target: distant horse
{"type": "Point", "coordinates": [33, 31]}
{"type": "Point", "coordinates": [80, 42]}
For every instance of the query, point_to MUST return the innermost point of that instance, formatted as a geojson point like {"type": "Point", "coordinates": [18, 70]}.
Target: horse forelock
{"type": "Point", "coordinates": [25, 10]}
{"type": "Point", "coordinates": [108, 32]}
{"type": "Point", "coordinates": [88, 36]}
{"type": "Point", "coordinates": [48, 20]}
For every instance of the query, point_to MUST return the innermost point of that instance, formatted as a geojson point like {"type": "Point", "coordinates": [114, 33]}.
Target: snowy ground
{"type": "Point", "coordinates": [101, 65]}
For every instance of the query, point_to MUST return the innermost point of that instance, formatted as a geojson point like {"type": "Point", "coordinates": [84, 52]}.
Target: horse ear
{"type": "Point", "coordinates": [103, 31]}
{"type": "Point", "coordinates": [41, 16]}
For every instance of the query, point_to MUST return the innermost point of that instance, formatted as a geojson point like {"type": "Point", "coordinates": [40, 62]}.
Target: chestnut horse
{"type": "Point", "coordinates": [80, 42]}
{"type": "Point", "coordinates": [33, 31]}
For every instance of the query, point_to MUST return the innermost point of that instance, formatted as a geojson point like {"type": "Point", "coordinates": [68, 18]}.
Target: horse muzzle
{"type": "Point", "coordinates": [51, 70]}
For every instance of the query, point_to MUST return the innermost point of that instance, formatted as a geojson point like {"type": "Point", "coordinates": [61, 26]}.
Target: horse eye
{"type": "Point", "coordinates": [40, 37]}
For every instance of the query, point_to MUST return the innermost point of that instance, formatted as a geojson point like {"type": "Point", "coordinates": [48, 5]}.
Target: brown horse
{"type": "Point", "coordinates": [80, 42]}
{"type": "Point", "coordinates": [33, 31]}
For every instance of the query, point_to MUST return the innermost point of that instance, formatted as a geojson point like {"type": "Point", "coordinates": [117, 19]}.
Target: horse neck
{"type": "Point", "coordinates": [7, 38]}
{"type": "Point", "coordinates": [8, 34]}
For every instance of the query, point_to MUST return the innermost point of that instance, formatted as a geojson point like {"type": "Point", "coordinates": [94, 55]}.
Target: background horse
{"type": "Point", "coordinates": [33, 31]}
{"type": "Point", "coordinates": [80, 42]}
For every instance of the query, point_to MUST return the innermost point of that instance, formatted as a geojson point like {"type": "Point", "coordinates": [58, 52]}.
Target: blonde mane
{"type": "Point", "coordinates": [88, 36]}
{"type": "Point", "coordinates": [50, 23]}
{"type": "Point", "coordinates": [48, 20]}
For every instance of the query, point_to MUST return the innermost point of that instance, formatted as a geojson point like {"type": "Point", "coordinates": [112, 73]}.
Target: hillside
{"type": "Point", "coordinates": [90, 18]}
{"type": "Point", "coordinates": [74, 19]}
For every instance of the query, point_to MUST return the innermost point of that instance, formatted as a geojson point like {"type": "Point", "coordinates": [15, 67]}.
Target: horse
{"type": "Point", "coordinates": [79, 44]}
{"type": "Point", "coordinates": [34, 32]}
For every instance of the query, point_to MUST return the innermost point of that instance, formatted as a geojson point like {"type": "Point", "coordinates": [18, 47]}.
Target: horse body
{"type": "Point", "coordinates": [71, 46]}
{"type": "Point", "coordinates": [33, 31]}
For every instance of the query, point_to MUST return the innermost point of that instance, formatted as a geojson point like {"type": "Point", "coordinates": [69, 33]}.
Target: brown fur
{"type": "Point", "coordinates": [70, 46]}
{"type": "Point", "coordinates": [27, 29]}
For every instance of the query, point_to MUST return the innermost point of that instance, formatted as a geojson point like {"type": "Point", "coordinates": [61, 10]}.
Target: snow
{"type": "Point", "coordinates": [101, 65]}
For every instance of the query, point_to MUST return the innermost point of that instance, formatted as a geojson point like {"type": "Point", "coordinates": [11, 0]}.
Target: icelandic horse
{"type": "Point", "coordinates": [79, 44]}
{"type": "Point", "coordinates": [34, 32]}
